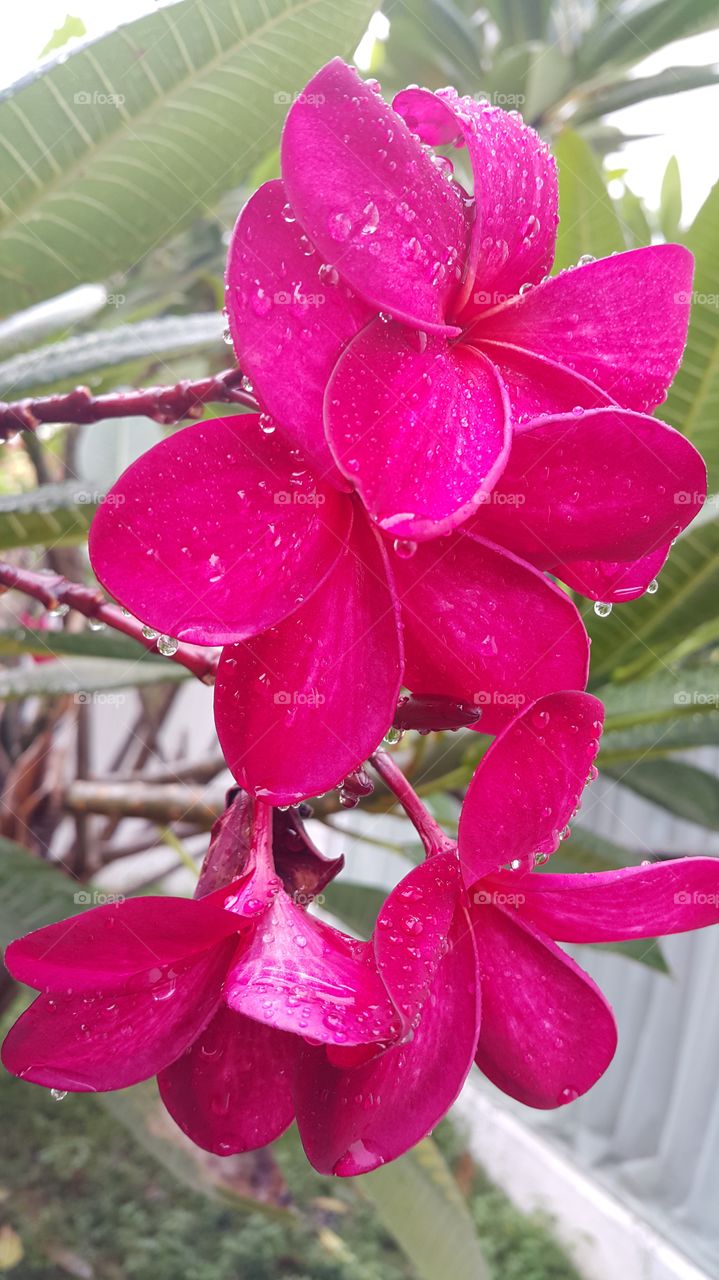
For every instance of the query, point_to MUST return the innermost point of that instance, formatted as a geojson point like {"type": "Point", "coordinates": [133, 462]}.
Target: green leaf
{"type": "Point", "coordinates": [682, 789]}
{"type": "Point", "coordinates": [644, 634]}
{"type": "Point", "coordinates": [53, 515]}
{"type": "Point", "coordinates": [83, 644]}
{"type": "Point", "coordinates": [420, 1204]}
{"type": "Point", "coordinates": [588, 220]}
{"type": "Point", "coordinates": [84, 677]}
{"type": "Point", "coordinates": [66, 362]}
{"type": "Point", "coordinates": [693, 401]}
{"type": "Point", "coordinates": [33, 892]}
{"type": "Point", "coordinates": [646, 951]}
{"type": "Point", "coordinates": [129, 137]}
{"type": "Point", "coordinates": [626, 31]}
{"type": "Point", "coordinates": [356, 904]}
{"type": "Point", "coordinates": [27, 328]}
{"type": "Point", "coordinates": [584, 850]}
{"type": "Point", "coordinates": [71, 27]}
{"type": "Point", "coordinates": [670, 200]}
{"type": "Point", "coordinates": [599, 99]}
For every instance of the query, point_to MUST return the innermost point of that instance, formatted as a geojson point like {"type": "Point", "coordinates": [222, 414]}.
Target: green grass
{"type": "Point", "coordinates": [85, 1200]}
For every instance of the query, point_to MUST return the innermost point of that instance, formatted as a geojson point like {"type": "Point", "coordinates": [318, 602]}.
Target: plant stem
{"type": "Point", "coordinates": [54, 591]}
{"type": "Point", "coordinates": [430, 833]}
{"type": "Point", "coordinates": [163, 404]}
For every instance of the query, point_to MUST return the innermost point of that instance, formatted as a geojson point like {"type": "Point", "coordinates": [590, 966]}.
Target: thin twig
{"type": "Point", "coordinates": [167, 405]}
{"type": "Point", "coordinates": [54, 591]}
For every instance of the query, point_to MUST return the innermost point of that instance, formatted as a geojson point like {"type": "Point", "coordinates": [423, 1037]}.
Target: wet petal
{"type": "Point", "coordinates": [297, 974]}
{"type": "Point", "coordinates": [351, 1121]}
{"type": "Point", "coordinates": [422, 432]}
{"type": "Point", "coordinates": [613, 581]}
{"type": "Point", "coordinates": [636, 902]}
{"type": "Point", "coordinates": [538, 387]}
{"type": "Point", "coordinates": [232, 1090]}
{"type": "Point", "coordinates": [289, 314]}
{"type": "Point", "coordinates": [547, 1031]}
{"type": "Point", "coordinates": [217, 532]}
{"type": "Point", "coordinates": [621, 321]}
{"type": "Point", "coordinates": [483, 626]}
{"type": "Point", "coordinates": [600, 484]}
{"type": "Point", "coordinates": [515, 188]}
{"type": "Point", "coordinates": [370, 199]}
{"type": "Point", "coordinates": [527, 785]}
{"type": "Point", "coordinates": [132, 944]}
{"type": "Point", "coordinates": [410, 936]}
{"type": "Point", "coordinates": [115, 1039]}
{"type": "Point", "coordinates": [304, 704]}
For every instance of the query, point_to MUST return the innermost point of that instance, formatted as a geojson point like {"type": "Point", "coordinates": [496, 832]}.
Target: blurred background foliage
{"type": "Point", "coordinates": [113, 231]}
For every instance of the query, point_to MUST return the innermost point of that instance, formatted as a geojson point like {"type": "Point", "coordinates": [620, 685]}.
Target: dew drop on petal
{"type": "Point", "coordinates": [653, 587]}
{"type": "Point", "coordinates": [167, 645]}
{"type": "Point", "coordinates": [601, 609]}
{"type": "Point", "coordinates": [57, 1095]}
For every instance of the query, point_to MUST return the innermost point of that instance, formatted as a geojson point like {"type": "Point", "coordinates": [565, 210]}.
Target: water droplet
{"type": "Point", "coordinates": [328, 274]}
{"type": "Point", "coordinates": [261, 302]}
{"type": "Point", "coordinates": [149, 633]}
{"type": "Point", "coordinates": [339, 226]}
{"type": "Point", "coordinates": [404, 548]}
{"type": "Point", "coordinates": [653, 587]}
{"type": "Point", "coordinates": [57, 1095]}
{"type": "Point", "coordinates": [287, 214]}
{"type": "Point", "coordinates": [96, 624]}
{"type": "Point", "coordinates": [168, 646]}
{"type": "Point", "coordinates": [601, 609]}
{"type": "Point", "coordinates": [585, 259]}
{"type": "Point", "coordinates": [267, 426]}
{"type": "Point", "coordinates": [524, 288]}
{"type": "Point", "coordinates": [393, 736]}
{"type": "Point", "coordinates": [60, 611]}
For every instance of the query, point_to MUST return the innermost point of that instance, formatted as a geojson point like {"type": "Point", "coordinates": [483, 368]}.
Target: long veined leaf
{"type": "Point", "coordinates": [129, 137]}
{"type": "Point", "coordinates": [693, 401]}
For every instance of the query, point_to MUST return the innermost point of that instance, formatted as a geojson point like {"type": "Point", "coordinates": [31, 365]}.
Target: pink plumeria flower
{"type": "Point", "coordinates": [545, 1032]}
{"type": "Point", "coordinates": [406, 312]}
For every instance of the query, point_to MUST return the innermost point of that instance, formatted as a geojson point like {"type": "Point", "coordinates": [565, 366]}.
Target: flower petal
{"type": "Point", "coordinates": [527, 785]}
{"type": "Point", "coordinates": [538, 387]}
{"type": "Point", "coordinates": [422, 433]}
{"type": "Point", "coordinates": [304, 871]}
{"type": "Point", "coordinates": [621, 321]}
{"type": "Point", "coordinates": [515, 189]}
{"type": "Point", "coordinates": [122, 946]}
{"type": "Point", "coordinates": [636, 902]}
{"type": "Point", "coordinates": [483, 626]}
{"type": "Point", "coordinates": [411, 932]}
{"type": "Point", "coordinates": [302, 705]}
{"type": "Point", "coordinates": [297, 974]}
{"type": "Point", "coordinates": [352, 1121]}
{"type": "Point", "coordinates": [217, 532]}
{"type": "Point", "coordinates": [602, 484]}
{"type": "Point", "coordinates": [371, 200]}
{"type": "Point", "coordinates": [547, 1031]}
{"type": "Point", "coordinates": [115, 1039]}
{"type": "Point", "coordinates": [289, 317]}
{"type": "Point", "coordinates": [232, 1090]}
{"type": "Point", "coordinates": [613, 581]}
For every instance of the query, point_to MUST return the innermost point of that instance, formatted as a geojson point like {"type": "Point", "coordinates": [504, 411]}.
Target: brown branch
{"type": "Point", "coordinates": [164, 804]}
{"type": "Point", "coordinates": [163, 404]}
{"type": "Point", "coordinates": [54, 592]}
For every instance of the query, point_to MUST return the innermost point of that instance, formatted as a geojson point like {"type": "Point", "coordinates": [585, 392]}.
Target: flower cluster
{"type": "Point", "coordinates": [447, 434]}
{"type": "Point", "coordinates": [443, 425]}
{"type": "Point", "coordinates": [253, 1013]}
